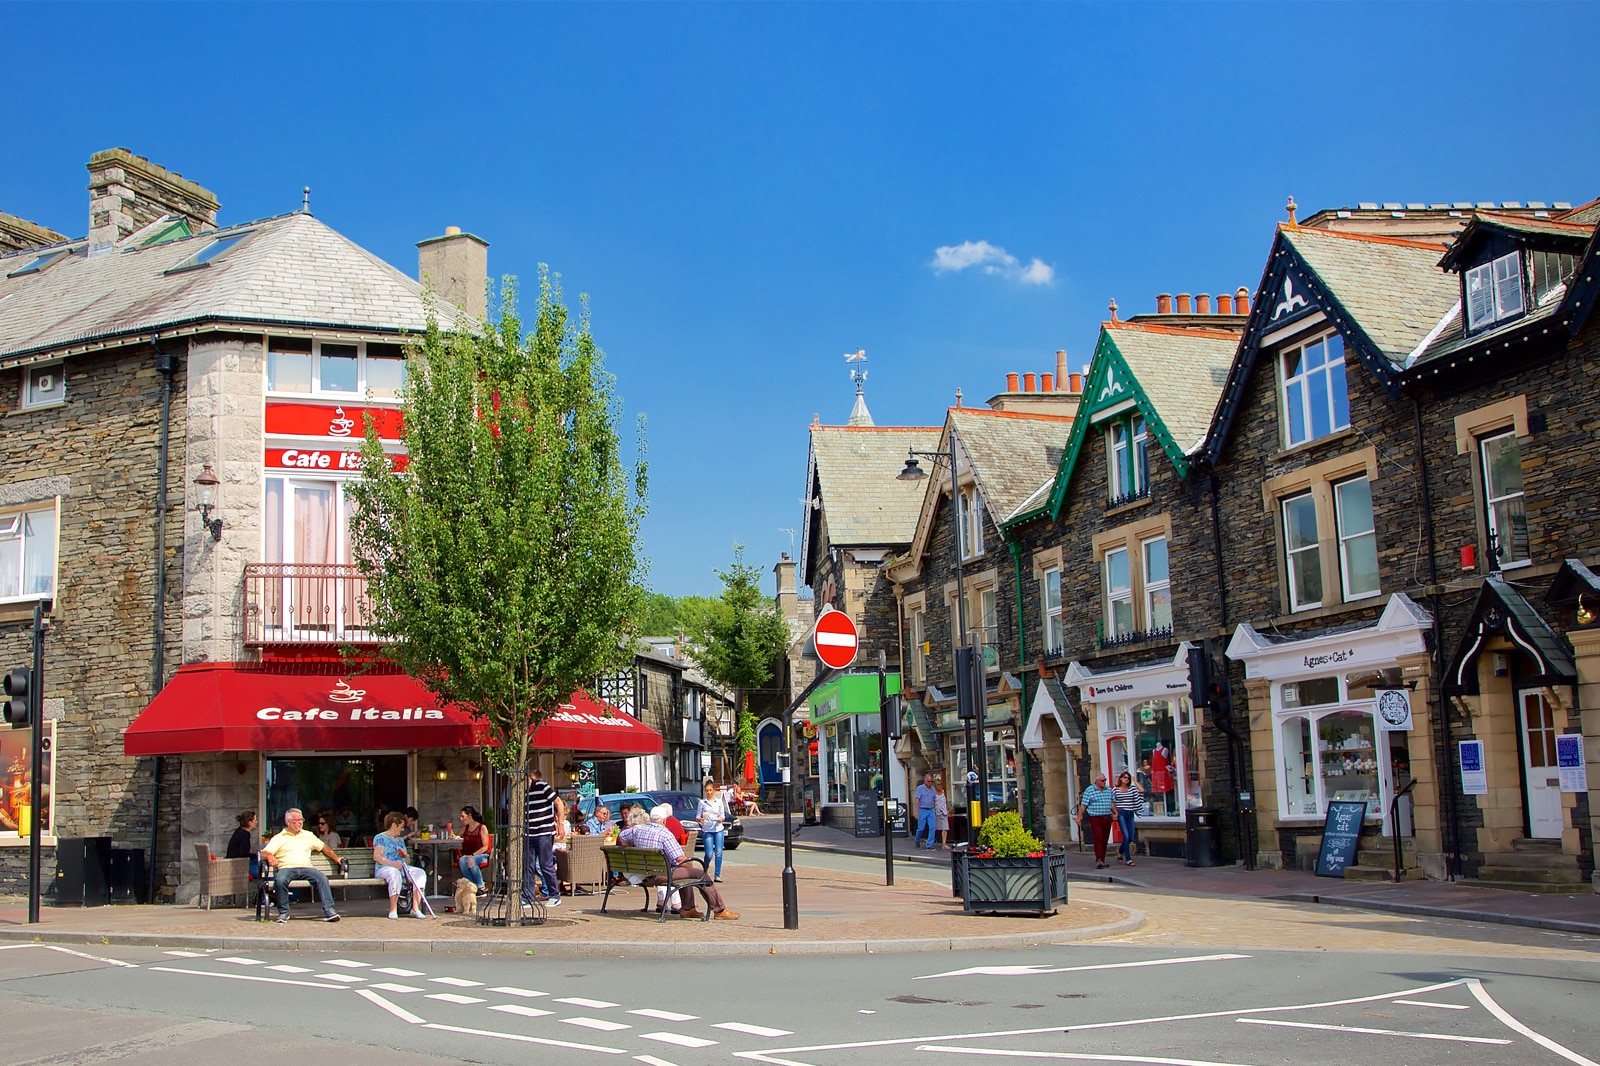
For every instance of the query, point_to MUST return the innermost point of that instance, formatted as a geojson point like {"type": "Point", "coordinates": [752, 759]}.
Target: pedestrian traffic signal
{"type": "Point", "coordinates": [18, 698]}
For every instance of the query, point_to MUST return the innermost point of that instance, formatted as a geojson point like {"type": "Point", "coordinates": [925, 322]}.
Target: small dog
{"type": "Point", "coordinates": [466, 897]}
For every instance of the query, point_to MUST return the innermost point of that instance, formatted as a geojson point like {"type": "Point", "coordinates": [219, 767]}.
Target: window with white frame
{"type": "Point", "coordinates": [43, 385]}
{"type": "Point", "coordinates": [301, 366]}
{"type": "Point", "coordinates": [969, 523]}
{"type": "Point", "coordinates": [1316, 398]}
{"type": "Point", "coordinates": [1129, 473]}
{"type": "Point", "coordinates": [1157, 741]}
{"type": "Point", "coordinates": [28, 553]}
{"type": "Point", "coordinates": [919, 647]}
{"type": "Point", "coordinates": [1157, 585]}
{"type": "Point", "coordinates": [988, 618]}
{"type": "Point", "coordinates": [1494, 291]}
{"type": "Point", "coordinates": [1358, 539]}
{"type": "Point", "coordinates": [1119, 594]}
{"type": "Point", "coordinates": [1054, 634]}
{"type": "Point", "coordinates": [1327, 742]}
{"type": "Point", "coordinates": [1504, 515]}
{"type": "Point", "coordinates": [1302, 552]}
{"type": "Point", "coordinates": [1550, 271]}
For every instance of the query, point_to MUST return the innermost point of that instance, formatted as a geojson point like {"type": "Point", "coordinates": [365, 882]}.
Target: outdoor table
{"type": "Point", "coordinates": [434, 846]}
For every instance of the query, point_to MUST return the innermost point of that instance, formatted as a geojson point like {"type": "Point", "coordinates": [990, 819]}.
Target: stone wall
{"type": "Point", "coordinates": [97, 451]}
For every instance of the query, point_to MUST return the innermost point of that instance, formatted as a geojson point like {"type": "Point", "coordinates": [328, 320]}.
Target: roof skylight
{"type": "Point", "coordinates": [38, 263]}
{"type": "Point", "coordinates": [211, 251]}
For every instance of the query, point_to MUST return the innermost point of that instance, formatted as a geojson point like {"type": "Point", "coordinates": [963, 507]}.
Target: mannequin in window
{"type": "Point", "coordinates": [1161, 775]}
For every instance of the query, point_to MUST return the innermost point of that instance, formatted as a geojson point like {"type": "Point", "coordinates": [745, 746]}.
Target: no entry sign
{"type": "Point", "coordinates": [835, 639]}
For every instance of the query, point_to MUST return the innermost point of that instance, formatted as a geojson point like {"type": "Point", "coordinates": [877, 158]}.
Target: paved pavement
{"type": "Point", "coordinates": [1568, 913]}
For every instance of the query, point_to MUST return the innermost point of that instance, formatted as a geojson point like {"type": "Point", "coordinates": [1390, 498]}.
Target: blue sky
{"type": "Point", "coordinates": [747, 192]}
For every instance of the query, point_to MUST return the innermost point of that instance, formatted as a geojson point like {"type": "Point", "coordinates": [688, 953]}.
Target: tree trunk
{"type": "Point", "coordinates": [515, 831]}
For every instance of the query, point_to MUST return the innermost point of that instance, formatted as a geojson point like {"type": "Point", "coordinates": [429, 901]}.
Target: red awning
{"type": "Point", "coordinates": [209, 707]}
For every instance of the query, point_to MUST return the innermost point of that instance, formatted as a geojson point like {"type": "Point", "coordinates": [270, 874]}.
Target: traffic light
{"type": "Point", "coordinates": [1208, 686]}
{"type": "Point", "coordinates": [966, 699]}
{"type": "Point", "coordinates": [18, 698]}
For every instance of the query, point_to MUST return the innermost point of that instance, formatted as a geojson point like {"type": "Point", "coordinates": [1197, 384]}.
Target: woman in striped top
{"type": "Point", "coordinates": [1129, 800]}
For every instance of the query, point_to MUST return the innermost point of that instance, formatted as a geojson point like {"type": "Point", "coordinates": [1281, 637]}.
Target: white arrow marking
{"type": "Point", "coordinates": [1023, 971]}
{"type": "Point", "coordinates": [1371, 1032]}
{"type": "Point", "coordinates": [393, 1008]}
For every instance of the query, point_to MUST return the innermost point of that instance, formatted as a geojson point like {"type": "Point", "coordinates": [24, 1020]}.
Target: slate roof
{"type": "Point", "coordinates": [1588, 214]}
{"type": "Point", "coordinates": [1011, 453]}
{"type": "Point", "coordinates": [291, 270]}
{"type": "Point", "coordinates": [1393, 288]}
{"type": "Point", "coordinates": [1501, 608]}
{"type": "Point", "coordinates": [1182, 371]}
{"type": "Point", "coordinates": [855, 470]}
{"type": "Point", "coordinates": [1551, 231]}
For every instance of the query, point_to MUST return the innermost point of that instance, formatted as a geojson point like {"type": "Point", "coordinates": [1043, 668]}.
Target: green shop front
{"type": "Point", "coordinates": [848, 753]}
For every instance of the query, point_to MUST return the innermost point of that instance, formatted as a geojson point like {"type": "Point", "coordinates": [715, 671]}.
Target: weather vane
{"type": "Point", "coordinates": [858, 366]}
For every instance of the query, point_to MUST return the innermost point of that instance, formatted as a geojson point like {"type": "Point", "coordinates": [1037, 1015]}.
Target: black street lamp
{"type": "Point", "coordinates": [913, 472]}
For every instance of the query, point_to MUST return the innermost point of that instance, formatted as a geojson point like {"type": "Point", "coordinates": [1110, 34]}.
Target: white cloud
{"type": "Point", "coordinates": [991, 259]}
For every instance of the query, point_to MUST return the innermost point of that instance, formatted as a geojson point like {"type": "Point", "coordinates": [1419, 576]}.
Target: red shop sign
{"type": "Point", "coordinates": [337, 422]}
{"type": "Point", "coordinates": [331, 460]}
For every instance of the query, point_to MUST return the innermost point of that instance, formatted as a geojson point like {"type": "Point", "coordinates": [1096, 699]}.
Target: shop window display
{"type": "Point", "coordinates": [1001, 749]}
{"type": "Point", "coordinates": [1159, 742]}
{"type": "Point", "coordinates": [356, 791]}
{"type": "Point", "coordinates": [1328, 744]}
{"type": "Point", "coordinates": [836, 735]}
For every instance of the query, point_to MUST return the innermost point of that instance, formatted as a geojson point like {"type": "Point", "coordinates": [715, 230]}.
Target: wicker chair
{"type": "Point", "coordinates": [582, 863]}
{"type": "Point", "coordinates": [222, 877]}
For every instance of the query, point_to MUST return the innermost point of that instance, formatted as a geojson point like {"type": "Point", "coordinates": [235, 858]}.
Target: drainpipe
{"type": "Point", "coordinates": [1026, 793]}
{"type": "Point", "coordinates": [1244, 834]}
{"type": "Point", "coordinates": [1444, 763]}
{"type": "Point", "coordinates": [167, 365]}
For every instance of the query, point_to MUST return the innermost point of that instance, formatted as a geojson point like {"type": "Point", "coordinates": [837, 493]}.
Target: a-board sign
{"type": "Point", "coordinates": [869, 816]}
{"type": "Point", "coordinates": [1341, 833]}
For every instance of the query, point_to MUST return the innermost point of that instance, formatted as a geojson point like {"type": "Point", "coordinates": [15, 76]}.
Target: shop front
{"type": "Point", "coordinates": [1343, 715]}
{"type": "Point", "coordinates": [850, 752]}
{"type": "Point", "coordinates": [946, 741]}
{"type": "Point", "coordinates": [266, 737]}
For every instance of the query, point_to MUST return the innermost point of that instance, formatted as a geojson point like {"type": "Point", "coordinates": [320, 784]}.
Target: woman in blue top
{"type": "Point", "coordinates": [389, 858]}
{"type": "Point", "coordinates": [712, 814]}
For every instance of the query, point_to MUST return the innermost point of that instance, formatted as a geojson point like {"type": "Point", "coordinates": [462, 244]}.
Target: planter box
{"type": "Point", "coordinates": [1010, 886]}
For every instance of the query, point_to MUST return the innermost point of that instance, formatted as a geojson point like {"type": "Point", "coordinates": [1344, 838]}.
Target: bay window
{"type": "Point", "coordinates": [1327, 740]}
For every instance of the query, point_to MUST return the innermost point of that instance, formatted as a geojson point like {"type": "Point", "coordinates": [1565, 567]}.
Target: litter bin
{"type": "Point", "coordinates": [1202, 837]}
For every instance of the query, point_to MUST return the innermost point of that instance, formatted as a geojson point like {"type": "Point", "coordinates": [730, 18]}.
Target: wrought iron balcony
{"type": "Point", "coordinates": [306, 604]}
{"type": "Point", "coordinates": [1137, 636]}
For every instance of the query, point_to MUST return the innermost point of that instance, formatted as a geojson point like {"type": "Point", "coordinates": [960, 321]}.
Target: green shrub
{"type": "Point", "coordinates": [1003, 834]}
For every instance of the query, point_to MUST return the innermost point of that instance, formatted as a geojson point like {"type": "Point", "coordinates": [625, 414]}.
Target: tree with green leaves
{"type": "Point", "coordinates": [503, 559]}
{"type": "Point", "coordinates": [740, 640]}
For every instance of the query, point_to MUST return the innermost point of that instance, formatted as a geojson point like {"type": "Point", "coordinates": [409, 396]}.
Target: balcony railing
{"type": "Point", "coordinates": [306, 603]}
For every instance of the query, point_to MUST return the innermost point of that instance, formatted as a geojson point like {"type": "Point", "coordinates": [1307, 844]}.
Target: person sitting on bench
{"type": "Point", "coordinates": [289, 854]}
{"type": "Point", "coordinates": [642, 833]}
{"type": "Point", "coordinates": [389, 859]}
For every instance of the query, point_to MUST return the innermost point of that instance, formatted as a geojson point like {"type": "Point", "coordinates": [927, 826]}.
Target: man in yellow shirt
{"type": "Point", "coordinates": [289, 855]}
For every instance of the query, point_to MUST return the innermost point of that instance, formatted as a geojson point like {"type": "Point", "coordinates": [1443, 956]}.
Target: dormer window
{"type": "Point", "coordinates": [1494, 291]}
{"type": "Point", "coordinates": [1550, 271]}
{"type": "Point", "coordinates": [1316, 398]}
{"type": "Point", "coordinates": [1129, 475]}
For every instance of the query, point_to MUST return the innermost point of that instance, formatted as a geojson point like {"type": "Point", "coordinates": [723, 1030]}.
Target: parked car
{"type": "Point", "coordinates": [685, 805]}
{"type": "Point", "coordinates": [615, 801]}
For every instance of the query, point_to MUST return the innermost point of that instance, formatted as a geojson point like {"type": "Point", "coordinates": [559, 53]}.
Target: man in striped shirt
{"type": "Point", "coordinates": [539, 838]}
{"type": "Point", "coordinates": [643, 833]}
{"type": "Point", "coordinates": [1096, 807]}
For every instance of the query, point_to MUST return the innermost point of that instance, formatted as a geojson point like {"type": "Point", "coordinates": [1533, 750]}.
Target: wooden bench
{"type": "Point", "coordinates": [651, 865]}
{"type": "Point", "coordinates": [363, 874]}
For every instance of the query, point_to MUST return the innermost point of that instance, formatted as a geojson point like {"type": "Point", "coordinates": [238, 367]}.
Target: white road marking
{"type": "Point", "coordinates": [395, 971]}
{"type": "Point", "coordinates": [1475, 986]}
{"type": "Point", "coordinates": [1430, 1003]}
{"type": "Point", "coordinates": [390, 986]}
{"type": "Point", "coordinates": [394, 1009]}
{"type": "Point", "coordinates": [679, 1039]}
{"type": "Point", "coordinates": [772, 1056]}
{"type": "Point", "coordinates": [525, 993]}
{"type": "Point", "coordinates": [285, 968]}
{"type": "Point", "coordinates": [186, 954]}
{"type": "Point", "coordinates": [592, 1004]}
{"type": "Point", "coordinates": [596, 1023]}
{"type": "Point", "coordinates": [342, 978]}
{"type": "Point", "coordinates": [523, 1039]}
{"type": "Point", "coordinates": [1372, 1032]}
{"type": "Point", "coordinates": [651, 1060]}
{"type": "Point", "coordinates": [249, 977]}
{"type": "Point", "coordinates": [240, 961]}
{"type": "Point", "coordinates": [1028, 971]}
{"type": "Point", "coordinates": [1075, 1056]}
{"type": "Point", "coordinates": [753, 1030]}
{"type": "Point", "coordinates": [69, 951]}
{"type": "Point", "coordinates": [519, 1010]}
{"type": "Point", "coordinates": [664, 1015]}
{"type": "Point", "coordinates": [349, 964]}
{"type": "Point", "coordinates": [456, 982]}
{"type": "Point", "coordinates": [451, 997]}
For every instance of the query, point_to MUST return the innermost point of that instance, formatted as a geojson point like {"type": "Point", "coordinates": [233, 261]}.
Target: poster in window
{"type": "Point", "coordinates": [16, 782]}
{"type": "Point", "coordinates": [1394, 710]}
{"type": "Point", "coordinates": [1569, 760]}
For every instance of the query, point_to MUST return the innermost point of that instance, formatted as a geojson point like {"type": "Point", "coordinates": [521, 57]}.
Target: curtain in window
{"type": "Point", "coordinates": [315, 541]}
{"type": "Point", "coordinates": [38, 553]}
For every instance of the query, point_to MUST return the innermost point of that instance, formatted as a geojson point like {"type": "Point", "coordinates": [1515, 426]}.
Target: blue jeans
{"type": "Point", "coordinates": [319, 884]}
{"type": "Point", "coordinates": [924, 821]}
{"type": "Point", "coordinates": [539, 857]}
{"type": "Point", "coordinates": [1129, 834]}
{"type": "Point", "coordinates": [470, 868]}
{"type": "Point", "coordinates": [713, 851]}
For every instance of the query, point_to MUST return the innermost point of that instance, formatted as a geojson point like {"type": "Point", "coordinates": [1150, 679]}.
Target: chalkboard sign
{"type": "Point", "coordinates": [869, 815]}
{"type": "Point", "coordinates": [1341, 833]}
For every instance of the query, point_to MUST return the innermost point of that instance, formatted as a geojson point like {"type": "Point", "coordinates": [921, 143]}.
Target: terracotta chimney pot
{"type": "Point", "coordinates": [1224, 304]}
{"type": "Point", "coordinates": [1076, 383]}
{"type": "Point", "coordinates": [1241, 301]}
{"type": "Point", "coordinates": [1028, 382]}
{"type": "Point", "coordinates": [1163, 303]}
{"type": "Point", "coordinates": [1011, 383]}
{"type": "Point", "coordinates": [1202, 304]}
{"type": "Point", "coordinates": [1183, 303]}
{"type": "Point", "coordinates": [1047, 383]}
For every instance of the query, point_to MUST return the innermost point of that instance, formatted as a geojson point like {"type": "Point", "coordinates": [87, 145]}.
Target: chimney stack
{"type": "Point", "coordinates": [1224, 304]}
{"type": "Point", "coordinates": [1028, 381]}
{"type": "Point", "coordinates": [788, 600]}
{"type": "Point", "coordinates": [18, 233]}
{"type": "Point", "coordinates": [1011, 383]}
{"type": "Point", "coordinates": [1061, 368]}
{"type": "Point", "coordinates": [456, 267]}
{"type": "Point", "coordinates": [128, 192]}
{"type": "Point", "coordinates": [1202, 304]}
{"type": "Point", "coordinates": [1183, 303]}
{"type": "Point", "coordinates": [1164, 303]}
{"type": "Point", "coordinates": [1241, 301]}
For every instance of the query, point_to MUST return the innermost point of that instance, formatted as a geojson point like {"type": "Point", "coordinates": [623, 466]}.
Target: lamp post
{"type": "Point", "coordinates": [913, 472]}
